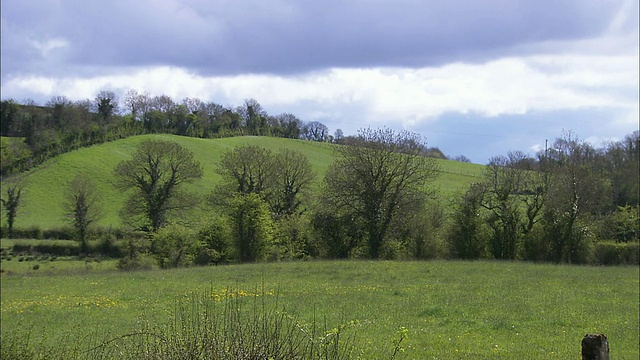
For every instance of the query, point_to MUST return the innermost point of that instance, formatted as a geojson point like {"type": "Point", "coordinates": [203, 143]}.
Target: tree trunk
{"type": "Point", "coordinates": [595, 347]}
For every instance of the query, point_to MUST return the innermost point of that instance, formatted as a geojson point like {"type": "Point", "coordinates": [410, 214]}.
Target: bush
{"type": "Point", "coordinates": [216, 243]}
{"type": "Point", "coordinates": [175, 246]}
{"type": "Point", "coordinates": [612, 253]}
{"type": "Point", "coordinates": [63, 233]}
{"type": "Point", "coordinates": [140, 262]}
{"type": "Point", "coordinates": [70, 249]}
{"type": "Point", "coordinates": [107, 247]}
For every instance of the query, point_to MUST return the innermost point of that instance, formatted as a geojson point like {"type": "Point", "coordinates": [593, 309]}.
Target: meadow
{"type": "Point", "coordinates": [45, 185]}
{"type": "Point", "coordinates": [448, 309]}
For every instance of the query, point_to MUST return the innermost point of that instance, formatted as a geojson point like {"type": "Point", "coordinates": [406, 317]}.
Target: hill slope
{"type": "Point", "coordinates": [46, 185]}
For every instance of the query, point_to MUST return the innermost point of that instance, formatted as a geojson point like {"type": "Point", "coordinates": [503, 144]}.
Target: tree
{"type": "Point", "coordinates": [466, 240]}
{"type": "Point", "coordinates": [106, 104]}
{"type": "Point", "coordinates": [379, 177]}
{"type": "Point", "coordinates": [175, 246]}
{"type": "Point", "coordinates": [622, 164]}
{"type": "Point", "coordinates": [82, 206]}
{"type": "Point", "coordinates": [293, 176]}
{"type": "Point", "coordinates": [156, 174]}
{"type": "Point", "coordinates": [252, 227]}
{"type": "Point", "coordinates": [246, 169]}
{"type": "Point", "coordinates": [253, 116]}
{"type": "Point", "coordinates": [576, 191]}
{"type": "Point", "coordinates": [315, 131]}
{"type": "Point", "coordinates": [501, 187]}
{"type": "Point", "coordinates": [11, 204]}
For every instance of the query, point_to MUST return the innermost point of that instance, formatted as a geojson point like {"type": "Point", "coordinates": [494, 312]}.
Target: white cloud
{"type": "Point", "coordinates": [45, 47]}
{"type": "Point", "coordinates": [403, 96]}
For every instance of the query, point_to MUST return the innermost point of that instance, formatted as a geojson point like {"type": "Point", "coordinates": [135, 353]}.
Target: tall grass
{"type": "Point", "coordinates": [201, 327]}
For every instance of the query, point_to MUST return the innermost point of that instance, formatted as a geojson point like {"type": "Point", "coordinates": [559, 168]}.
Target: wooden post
{"type": "Point", "coordinates": [595, 347]}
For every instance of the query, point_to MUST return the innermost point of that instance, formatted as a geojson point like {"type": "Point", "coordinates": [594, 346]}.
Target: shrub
{"type": "Point", "coordinates": [107, 246]}
{"type": "Point", "coordinates": [175, 246]}
{"type": "Point", "coordinates": [139, 262]}
{"type": "Point", "coordinates": [216, 243]}
{"type": "Point", "coordinates": [62, 233]}
{"type": "Point", "coordinates": [612, 253]}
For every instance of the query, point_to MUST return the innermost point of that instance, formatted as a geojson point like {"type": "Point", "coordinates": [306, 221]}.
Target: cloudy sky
{"type": "Point", "coordinates": [475, 78]}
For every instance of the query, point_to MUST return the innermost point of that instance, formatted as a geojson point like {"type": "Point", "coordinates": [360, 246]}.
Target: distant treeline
{"type": "Point", "coordinates": [61, 125]}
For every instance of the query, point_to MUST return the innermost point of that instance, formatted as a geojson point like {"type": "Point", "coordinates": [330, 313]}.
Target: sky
{"type": "Point", "coordinates": [474, 78]}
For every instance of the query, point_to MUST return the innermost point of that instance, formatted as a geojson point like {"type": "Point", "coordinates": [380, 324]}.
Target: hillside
{"type": "Point", "coordinates": [45, 185]}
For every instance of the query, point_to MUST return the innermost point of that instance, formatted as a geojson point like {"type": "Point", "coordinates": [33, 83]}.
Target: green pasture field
{"type": "Point", "coordinates": [450, 309]}
{"type": "Point", "coordinates": [45, 185]}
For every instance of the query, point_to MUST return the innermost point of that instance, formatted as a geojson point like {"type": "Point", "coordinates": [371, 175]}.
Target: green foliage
{"type": "Point", "coordinates": [252, 227]}
{"type": "Point", "coordinates": [175, 246]}
{"type": "Point", "coordinates": [14, 155]}
{"type": "Point", "coordinates": [133, 263]}
{"type": "Point", "coordinates": [337, 234]}
{"type": "Point", "coordinates": [379, 178]}
{"type": "Point", "coordinates": [295, 238]}
{"type": "Point", "coordinates": [10, 203]}
{"type": "Point", "coordinates": [622, 225]}
{"type": "Point", "coordinates": [217, 243]}
{"type": "Point", "coordinates": [467, 236]}
{"type": "Point", "coordinates": [82, 207]}
{"type": "Point", "coordinates": [615, 253]}
{"type": "Point", "coordinates": [45, 186]}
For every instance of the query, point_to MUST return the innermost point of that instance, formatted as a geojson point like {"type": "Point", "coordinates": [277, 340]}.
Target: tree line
{"type": "Point", "coordinates": [558, 207]}
{"type": "Point", "coordinates": [571, 204]}
{"type": "Point", "coordinates": [376, 200]}
{"type": "Point", "coordinates": [62, 125]}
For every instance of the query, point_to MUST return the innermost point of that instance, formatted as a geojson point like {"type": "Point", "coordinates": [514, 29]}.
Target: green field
{"type": "Point", "coordinates": [46, 185]}
{"type": "Point", "coordinates": [450, 309]}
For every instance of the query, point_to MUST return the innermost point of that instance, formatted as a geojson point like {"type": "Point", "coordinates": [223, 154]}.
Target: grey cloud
{"type": "Point", "coordinates": [231, 37]}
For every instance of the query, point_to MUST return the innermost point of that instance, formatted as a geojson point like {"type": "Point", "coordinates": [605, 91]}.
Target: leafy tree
{"type": "Point", "coordinates": [253, 227]}
{"type": "Point", "coordinates": [338, 234]}
{"type": "Point", "coordinates": [466, 239]}
{"type": "Point", "coordinates": [380, 177]}
{"type": "Point", "coordinates": [217, 242]}
{"type": "Point", "coordinates": [156, 174]}
{"type": "Point", "coordinates": [11, 203]}
{"type": "Point", "coordinates": [106, 104]}
{"type": "Point", "coordinates": [622, 166]}
{"type": "Point", "coordinates": [8, 115]}
{"type": "Point", "coordinates": [175, 246]}
{"type": "Point", "coordinates": [501, 187]}
{"type": "Point", "coordinates": [253, 116]}
{"type": "Point", "coordinates": [82, 206]}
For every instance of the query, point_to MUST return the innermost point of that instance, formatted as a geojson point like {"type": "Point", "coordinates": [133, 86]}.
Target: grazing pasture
{"type": "Point", "coordinates": [447, 309]}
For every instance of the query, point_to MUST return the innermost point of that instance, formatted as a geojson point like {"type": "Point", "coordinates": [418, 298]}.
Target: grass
{"type": "Point", "coordinates": [46, 184]}
{"type": "Point", "coordinates": [450, 309]}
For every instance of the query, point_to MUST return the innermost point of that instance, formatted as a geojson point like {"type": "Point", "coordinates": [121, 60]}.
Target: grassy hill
{"type": "Point", "coordinates": [46, 185]}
